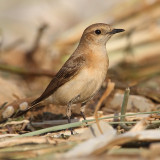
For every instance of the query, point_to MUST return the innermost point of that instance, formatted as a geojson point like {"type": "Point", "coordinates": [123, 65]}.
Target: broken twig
{"type": "Point", "coordinates": [24, 71]}
{"type": "Point", "coordinates": [124, 104]}
{"type": "Point", "coordinates": [124, 109]}
{"type": "Point", "coordinates": [107, 92]}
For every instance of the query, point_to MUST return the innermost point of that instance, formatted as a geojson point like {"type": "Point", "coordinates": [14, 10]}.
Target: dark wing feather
{"type": "Point", "coordinates": [71, 68]}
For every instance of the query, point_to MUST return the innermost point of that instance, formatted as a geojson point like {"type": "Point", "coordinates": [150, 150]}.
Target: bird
{"type": "Point", "coordinates": [82, 75]}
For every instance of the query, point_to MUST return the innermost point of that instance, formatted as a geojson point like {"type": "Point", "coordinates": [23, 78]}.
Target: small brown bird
{"type": "Point", "coordinates": [83, 73]}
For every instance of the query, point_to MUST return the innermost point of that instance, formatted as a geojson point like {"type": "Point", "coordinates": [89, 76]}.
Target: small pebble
{"type": "Point", "coordinates": [8, 112]}
{"type": "Point", "coordinates": [23, 106]}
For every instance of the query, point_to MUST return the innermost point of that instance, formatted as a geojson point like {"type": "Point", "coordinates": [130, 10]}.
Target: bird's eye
{"type": "Point", "coordinates": [98, 31]}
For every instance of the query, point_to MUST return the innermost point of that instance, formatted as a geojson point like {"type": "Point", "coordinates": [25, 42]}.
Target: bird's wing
{"type": "Point", "coordinates": [70, 69]}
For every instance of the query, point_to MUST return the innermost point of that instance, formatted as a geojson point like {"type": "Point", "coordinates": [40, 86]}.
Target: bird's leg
{"type": "Point", "coordinates": [69, 110]}
{"type": "Point", "coordinates": [82, 110]}
{"type": "Point", "coordinates": [69, 114]}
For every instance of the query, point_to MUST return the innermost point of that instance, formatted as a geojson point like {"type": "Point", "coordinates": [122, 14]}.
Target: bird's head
{"type": "Point", "coordinates": [99, 33]}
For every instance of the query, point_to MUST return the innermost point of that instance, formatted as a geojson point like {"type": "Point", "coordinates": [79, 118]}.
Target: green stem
{"type": "Point", "coordinates": [127, 115]}
{"type": "Point", "coordinates": [124, 104]}
{"type": "Point", "coordinates": [51, 129]}
{"type": "Point", "coordinates": [78, 124]}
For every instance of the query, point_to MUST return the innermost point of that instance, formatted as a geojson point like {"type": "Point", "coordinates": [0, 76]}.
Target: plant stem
{"type": "Point", "coordinates": [72, 125]}
{"type": "Point", "coordinates": [127, 115]}
{"type": "Point", "coordinates": [124, 104]}
{"type": "Point", "coordinates": [51, 129]}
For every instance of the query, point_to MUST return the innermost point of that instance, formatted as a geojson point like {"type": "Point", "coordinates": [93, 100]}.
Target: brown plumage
{"type": "Point", "coordinates": [67, 72]}
{"type": "Point", "coordinates": [83, 73]}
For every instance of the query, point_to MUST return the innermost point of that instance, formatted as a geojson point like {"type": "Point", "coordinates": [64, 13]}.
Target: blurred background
{"type": "Point", "coordinates": [37, 37]}
{"type": "Point", "coordinates": [21, 19]}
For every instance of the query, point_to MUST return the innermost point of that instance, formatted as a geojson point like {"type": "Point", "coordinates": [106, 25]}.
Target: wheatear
{"type": "Point", "coordinates": [83, 73]}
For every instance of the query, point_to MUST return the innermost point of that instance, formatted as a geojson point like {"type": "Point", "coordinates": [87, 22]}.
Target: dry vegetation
{"type": "Point", "coordinates": [123, 120]}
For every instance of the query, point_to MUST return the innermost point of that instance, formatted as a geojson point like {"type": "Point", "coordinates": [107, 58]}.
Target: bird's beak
{"type": "Point", "coordinates": [114, 31]}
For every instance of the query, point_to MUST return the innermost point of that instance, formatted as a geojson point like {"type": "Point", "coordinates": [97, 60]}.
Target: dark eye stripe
{"type": "Point", "coordinates": [98, 31]}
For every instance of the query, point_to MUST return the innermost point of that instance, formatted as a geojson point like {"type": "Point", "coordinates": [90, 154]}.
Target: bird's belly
{"type": "Point", "coordinates": [85, 84]}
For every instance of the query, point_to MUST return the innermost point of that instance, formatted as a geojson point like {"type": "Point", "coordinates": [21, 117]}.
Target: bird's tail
{"type": "Point", "coordinates": [32, 105]}
{"type": "Point", "coordinates": [36, 101]}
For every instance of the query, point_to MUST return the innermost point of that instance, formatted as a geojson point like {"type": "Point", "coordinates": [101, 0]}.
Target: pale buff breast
{"type": "Point", "coordinates": [85, 84]}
